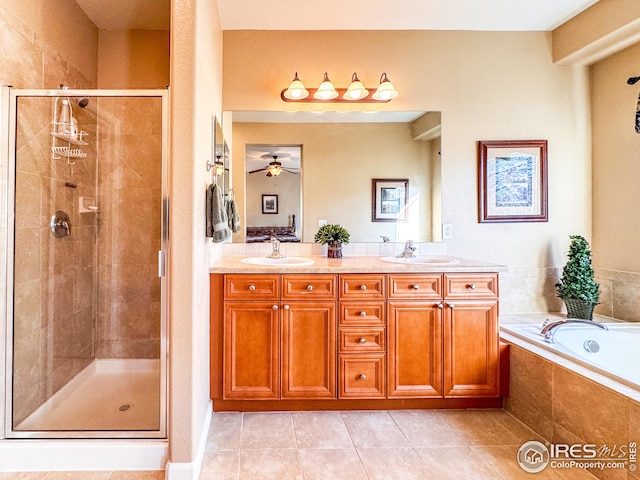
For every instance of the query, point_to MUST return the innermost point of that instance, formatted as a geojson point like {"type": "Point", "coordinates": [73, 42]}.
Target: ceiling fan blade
{"type": "Point", "coordinates": [259, 170]}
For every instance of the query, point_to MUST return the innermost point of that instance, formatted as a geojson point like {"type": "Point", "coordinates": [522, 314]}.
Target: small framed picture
{"type": "Point", "coordinates": [269, 204]}
{"type": "Point", "coordinates": [389, 199]}
{"type": "Point", "coordinates": [512, 181]}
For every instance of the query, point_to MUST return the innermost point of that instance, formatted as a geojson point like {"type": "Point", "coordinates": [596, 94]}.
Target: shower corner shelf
{"type": "Point", "coordinates": [70, 138]}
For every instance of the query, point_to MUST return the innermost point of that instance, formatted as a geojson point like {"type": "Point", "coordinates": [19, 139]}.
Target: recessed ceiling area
{"type": "Point", "coordinates": [489, 15]}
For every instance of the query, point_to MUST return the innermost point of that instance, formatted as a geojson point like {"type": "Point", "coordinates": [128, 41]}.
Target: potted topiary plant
{"type": "Point", "coordinates": [577, 287]}
{"type": "Point", "coordinates": [334, 236]}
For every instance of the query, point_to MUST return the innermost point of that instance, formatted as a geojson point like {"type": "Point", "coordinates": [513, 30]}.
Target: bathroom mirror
{"type": "Point", "coordinates": [342, 152]}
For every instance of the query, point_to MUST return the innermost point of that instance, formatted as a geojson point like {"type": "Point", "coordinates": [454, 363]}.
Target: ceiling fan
{"type": "Point", "coordinates": [274, 168]}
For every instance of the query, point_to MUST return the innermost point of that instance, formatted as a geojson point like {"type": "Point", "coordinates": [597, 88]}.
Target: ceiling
{"type": "Point", "coordinates": [498, 15]}
{"type": "Point", "coordinates": [259, 156]}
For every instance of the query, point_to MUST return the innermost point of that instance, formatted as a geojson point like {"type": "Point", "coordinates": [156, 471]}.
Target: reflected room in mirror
{"type": "Point", "coordinates": [340, 154]}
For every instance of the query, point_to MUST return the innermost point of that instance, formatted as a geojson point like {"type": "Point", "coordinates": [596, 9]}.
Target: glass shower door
{"type": "Point", "coordinates": [86, 304]}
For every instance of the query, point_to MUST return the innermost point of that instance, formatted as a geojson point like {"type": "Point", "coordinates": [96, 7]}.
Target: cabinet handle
{"type": "Point", "coordinates": [362, 341]}
{"type": "Point", "coordinates": [471, 286]}
{"type": "Point", "coordinates": [415, 287]}
{"type": "Point", "coordinates": [363, 314]}
{"type": "Point", "coordinates": [252, 287]}
{"type": "Point", "coordinates": [286, 307]}
{"type": "Point", "coordinates": [451, 305]}
{"type": "Point", "coordinates": [362, 376]}
{"type": "Point", "coordinates": [309, 287]}
{"type": "Point", "coordinates": [440, 306]}
{"type": "Point", "coordinates": [275, 307]}
{"type": "Point", "coordinates": [363, 287]}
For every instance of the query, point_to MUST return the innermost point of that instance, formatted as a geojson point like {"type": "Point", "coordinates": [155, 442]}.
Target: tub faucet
{"type": "Point", "coordinates": [275, 248]}
{"type": "Point", "coordinates": [409, 250]}
{"type": "Point", "coordinates": [549, 329]}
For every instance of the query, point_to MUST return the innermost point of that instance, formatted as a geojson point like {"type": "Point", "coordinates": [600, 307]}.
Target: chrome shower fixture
{"type": "Point", "coordinates": [83, 102]}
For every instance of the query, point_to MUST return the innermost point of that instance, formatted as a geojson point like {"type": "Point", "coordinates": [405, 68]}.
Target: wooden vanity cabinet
{"type": "Point", "coordinates": [283, 348]}
{"type": "Point", "coordinates": [471, 337]}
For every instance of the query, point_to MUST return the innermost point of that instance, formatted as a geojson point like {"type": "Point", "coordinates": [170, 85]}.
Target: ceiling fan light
{"type": "Point", "coordinates": [326, 90]}
{"type": "Point", "coordinates": [274, 170]}
{"type": "Point", "coordinates": [296, 90]}
{"type": "Point", "coordinates": [386, 90]}
{"type": "Point", "coordinates": [356, 90]}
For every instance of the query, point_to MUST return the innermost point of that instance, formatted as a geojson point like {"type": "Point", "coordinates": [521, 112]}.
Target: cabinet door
{"type": "Point", "coordinates": [309, 350]}
{"type": "Point", "coordinates": [471, 349]}
{"type": "Point", "coordinates": [251, 350]}
{"type": "Point", "coordinates": [414, 348]}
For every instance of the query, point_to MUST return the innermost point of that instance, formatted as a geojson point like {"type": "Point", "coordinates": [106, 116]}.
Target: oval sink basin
{"type": "Point", "coordinates": [283, 262]}
{"type": "Point", "coordinates": [422, 260]}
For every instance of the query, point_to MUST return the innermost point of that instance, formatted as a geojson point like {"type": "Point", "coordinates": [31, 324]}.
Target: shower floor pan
{"type": "Point", "coordinates": [108, 395]}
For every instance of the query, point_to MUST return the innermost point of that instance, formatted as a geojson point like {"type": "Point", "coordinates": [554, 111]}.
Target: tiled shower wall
{"type": "Point", "coordinates": [130, 153]}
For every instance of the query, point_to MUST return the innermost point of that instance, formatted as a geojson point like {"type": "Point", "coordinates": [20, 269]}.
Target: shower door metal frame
{"type": "Point", "coordinates": [8, 110]}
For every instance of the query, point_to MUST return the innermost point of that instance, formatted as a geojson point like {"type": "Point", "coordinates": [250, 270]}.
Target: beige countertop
{"type": "Point", "coordinates": [353, 264]}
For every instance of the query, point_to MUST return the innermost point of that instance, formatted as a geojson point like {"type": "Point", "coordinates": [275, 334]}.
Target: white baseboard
{"type": "Point", "coordinates": [191, 470]}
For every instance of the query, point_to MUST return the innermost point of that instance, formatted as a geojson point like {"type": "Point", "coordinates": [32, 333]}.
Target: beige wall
{"type": "Point", "coordinates": [616, 196]}
{"type": "Point", "coordinates": [489, 86]}
{"type": "Point", "coordinates": [196, 87]}
{"type": "Point", "coordinates": [133, 59]}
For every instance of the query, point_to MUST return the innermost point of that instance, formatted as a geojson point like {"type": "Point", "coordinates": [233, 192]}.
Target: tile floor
{"type": "Point", "coordinates": [359, 445]}
{"type": "Point", "coordinates": [376, 445]}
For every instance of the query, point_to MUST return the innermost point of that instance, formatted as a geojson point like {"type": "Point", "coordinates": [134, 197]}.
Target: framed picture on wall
{"type": "Point", "coordinates": [389, 199]}
{"type": "Point", "coordinates": [269, 204]}
{"type": "Point", "coordinates": [512, 181]}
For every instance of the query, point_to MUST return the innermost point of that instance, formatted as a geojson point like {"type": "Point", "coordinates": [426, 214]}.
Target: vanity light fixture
{"type": "Point", "coordinates": [385, 91]}
{"type": "Point", "coordinates": [327, 93]}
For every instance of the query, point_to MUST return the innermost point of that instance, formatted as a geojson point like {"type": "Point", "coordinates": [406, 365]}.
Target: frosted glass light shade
{"type": "Point", "coordinates": [356, 90]}
{"type": "Point", "coordinates": [386, 90]}
{"type": "Point", "coordinates": [296, 90]}
{"type": "Point", "coordinates": [326, 90]}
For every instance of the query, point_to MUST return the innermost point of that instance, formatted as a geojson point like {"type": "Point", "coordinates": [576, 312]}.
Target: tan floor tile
{"type": "Point", "coordinates": [320, 430]}
{"type": "Point", "coordinates": [22, 475]}
{"type": "Point", "coordinates": [274, 464]}
{"type": "Point", "coordinates": [502, 460]}
{"type": "Point", "coordinates": [138, 475]}
{"type": "Point", "coordinates": [224, 432]}
{"type": "Point", "coordinates": [454, 463]}
{"type": "Point", "coordinates": [324, 464]}
{"type": "Point", "coordinates": [426, 428]}
{"type": "Point", "coordinates": [518, 429]}
{"type": "Point", "coordinates": [267, 430]}
{"type": "Point", "coordinates": [373, 429]}
{"type": "Point", "coordinates": [220, 465]}
{"type": "Point", "coordinates": [479, 427]}
{"type": "Point", "coordinates": [78, 476]}
{"type": "Point", "coordinates": [393, 464]}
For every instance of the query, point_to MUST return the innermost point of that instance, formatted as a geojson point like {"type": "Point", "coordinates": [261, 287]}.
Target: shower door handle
{"type": "Point", "coordinates": [161, 263]}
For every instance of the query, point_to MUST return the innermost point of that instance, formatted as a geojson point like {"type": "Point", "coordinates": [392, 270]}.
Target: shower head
{"type": "Point", "coordinates": [83, 102]}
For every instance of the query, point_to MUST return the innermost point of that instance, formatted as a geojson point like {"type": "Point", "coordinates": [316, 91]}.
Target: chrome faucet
{"type": "Point", "coordinates": [409, 250]}
{"type": "Point", "coordinates": [549, 329]}
{"type": "Point", "coordinates": [275, 248]}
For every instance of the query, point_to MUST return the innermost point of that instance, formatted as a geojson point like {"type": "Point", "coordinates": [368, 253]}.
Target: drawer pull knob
{"type": "Point", "coordinates": [275, 307]}
{"type": "Point", "coordinates": [252, 287]}
{"type": "Point", "coordinates": [309, 287]}
{"type": "Point", "coordinates": [440, 306]}
{"type": "Point", "coordinates": [451, 305]}
{"type": "Point", "coordinates": [363, 287]}
{"type": "Point", "coordinates": [286, 307]}
{"type": "Point", "coordinates": [362, 376]}
{"type": "Point", "coordinates": [415, 287]}
{"type": "Point", "coordinates": [363, 314]}
{"type": "Point", "coordinates": [472, 286]}
{"type": "Point", "coordinates": [362, 341]}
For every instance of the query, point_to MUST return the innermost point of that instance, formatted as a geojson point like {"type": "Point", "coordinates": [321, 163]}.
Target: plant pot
{"type": "Point", "coordinates": [578, 308]}
{"type": "Point", "coordinates": [334, 250]}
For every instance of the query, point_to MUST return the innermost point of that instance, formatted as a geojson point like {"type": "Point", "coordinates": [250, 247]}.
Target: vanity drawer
{"type": "Point", "coordinates": [471, 285]}
{"type": "Point", "coordinates": [252, 287]}
{"type": "Point", "coordinates": [362, 313]}
{"type": "Point", "coordinates": [410, 286]}
{"type": "Point", "coordinates": [301, 287]}
{"type": "Point", "coordinates": [362, 339]}
{"type": "Point", "coordinates": [362, 376]}
{"type": "Point", "coordinates": [362, 286]}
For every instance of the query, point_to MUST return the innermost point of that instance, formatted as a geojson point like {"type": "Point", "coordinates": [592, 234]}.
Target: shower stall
{"type": "Point", "coordinates": [84, 241]}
